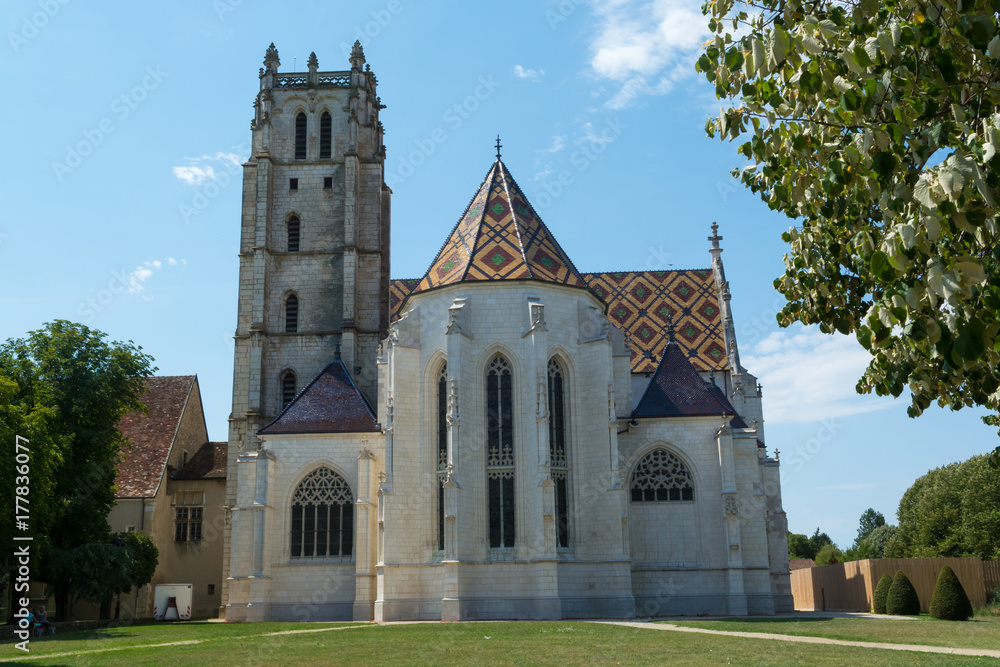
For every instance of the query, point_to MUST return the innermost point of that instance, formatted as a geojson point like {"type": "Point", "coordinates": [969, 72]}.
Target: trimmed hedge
{"type": "Point", "coordinates": [881, 593]}
{"type": "Point", "coordinates": [949, 601]}
{"type": "Point", "coordinates": [902, 599]}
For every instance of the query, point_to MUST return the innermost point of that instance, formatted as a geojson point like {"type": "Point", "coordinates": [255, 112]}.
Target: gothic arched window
{"type": "Point", "coordinates": [325, 136]}
{"type": "Point", "coordinates": [300, 136]}
{"type": "Point", "coordinates": [500, 452]}
{"type": "Point", "coordinates": [322, 516]}
{"type": "Point", "coordinates": [287, 389]}
{"type": "Point", "coordinates": [442, 448]}
{"type": "Point", "coordinates": [293, 234]}
{"type": "Point", "coordinates": [661, 476]}
{"type": "Point", "coordinates": [291, 313]}
{"type": "Point", "coordinates": [558, 463]}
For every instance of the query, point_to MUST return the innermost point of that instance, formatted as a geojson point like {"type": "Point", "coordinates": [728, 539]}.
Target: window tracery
{"type": "Point", "coordinates": [661, 476]}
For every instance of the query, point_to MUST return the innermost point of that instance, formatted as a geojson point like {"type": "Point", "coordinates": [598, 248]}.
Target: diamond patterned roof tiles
{"type": "Point", "coordinates": [499, 237]}
{"type": "Point", "coordinates": [640, 303]}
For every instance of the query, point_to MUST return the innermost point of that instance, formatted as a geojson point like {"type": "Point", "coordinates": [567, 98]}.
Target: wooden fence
{"type": "Point", "coordinates": [849, 586]}
{"type": "Point", "coordinates": [991, 575]}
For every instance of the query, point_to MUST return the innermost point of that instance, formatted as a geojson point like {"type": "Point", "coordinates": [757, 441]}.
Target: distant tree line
{"type": "Point", "coordinates": [951, 512]}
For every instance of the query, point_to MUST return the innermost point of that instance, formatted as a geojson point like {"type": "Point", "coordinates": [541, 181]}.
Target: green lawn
{"type": "Point", "coordinates": [982, 632]}
{"type": "Point", "coordinates": [150, 633]}
{"type": "Point", "coordinates": [492, 644]}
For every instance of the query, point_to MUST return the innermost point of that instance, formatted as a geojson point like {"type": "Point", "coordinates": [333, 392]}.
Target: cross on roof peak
{"type": "Point", "coordinates": [499, 145]}
{"type": "Point", "coordinates": [715, 238]}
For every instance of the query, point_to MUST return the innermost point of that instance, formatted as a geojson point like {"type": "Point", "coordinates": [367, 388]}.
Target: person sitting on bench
{"type": "Point", "coordinates": [42, 625]}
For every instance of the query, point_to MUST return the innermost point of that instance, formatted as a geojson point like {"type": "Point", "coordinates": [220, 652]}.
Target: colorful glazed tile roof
{"type": "Point", "coordinates": [640, 303]}
{"type": "Point", "coordinates": [151, 435]}
{"type": "Point", "coordinates": [500, 237]}
{"type": "Point", "coordinates": [209, 462]}
{"type": "Point", "coordinates": [331, 403]}
{"type": "Point", "coordinates": [677, 390]}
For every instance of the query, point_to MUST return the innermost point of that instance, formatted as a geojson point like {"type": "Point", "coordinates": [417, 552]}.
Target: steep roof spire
{"type": "Point", "coordinates": [500, 237]}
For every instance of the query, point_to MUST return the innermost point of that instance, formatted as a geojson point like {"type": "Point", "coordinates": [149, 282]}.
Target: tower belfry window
{"type": "Point", "coordinates": [287, 389]}
{"type": "Point", "coordinates": [500, 453]}
{"type": "Point", "coordinates": [325, 136]}
{"type": "Point", "coordinates": [293, 234]}
{"type": "Point", "coordinates": [300, 136]}
{"type": "Point", "coordinates": [291, 314]}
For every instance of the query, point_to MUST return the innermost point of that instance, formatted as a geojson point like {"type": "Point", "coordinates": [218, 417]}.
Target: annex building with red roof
{"type": "Point", "coordinates": [171, 486]}
{"type": "Point", "coordinates": [503, 437]}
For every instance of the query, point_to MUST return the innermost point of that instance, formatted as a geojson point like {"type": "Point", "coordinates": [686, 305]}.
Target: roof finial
{"type": "Point", "coordinates": [715, 238]}
{"type": "Point", "coordinates": [671, 330]}
{"type": "Point", "coordinates": [336, 352]}
{"type": "Point", "coordinates": [498, 146]}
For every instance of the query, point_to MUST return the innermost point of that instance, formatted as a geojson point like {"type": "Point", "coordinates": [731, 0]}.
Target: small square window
{"type": "Point", "coordinates": [211, 589]}
{"type": "Point", "coordinates": [328, 182]}
{"type": "Point", "coordinates": [293, 184]}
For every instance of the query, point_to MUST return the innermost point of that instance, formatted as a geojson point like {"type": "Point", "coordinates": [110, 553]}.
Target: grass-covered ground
{"type": "Point", "coordinates": [981, 632]}
{"type": "Point", "coordinates": [492, 644]}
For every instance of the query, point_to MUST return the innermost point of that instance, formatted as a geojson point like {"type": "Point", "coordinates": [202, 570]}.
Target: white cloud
{"type": "Point", "coordinates": [200, 169]}
{"type": "Point", "coordinates": [646, 47]}
{"type": "Point", "coordinates": [194, 175]}
{"type": "Point", "coordinates": [135, 280]}
{"type": "Point", "coordinates": [558, 143]}
{"type": "Point", "coordinates": [530, 74]}
{"type": "Point", "coordinates": [810, 376]}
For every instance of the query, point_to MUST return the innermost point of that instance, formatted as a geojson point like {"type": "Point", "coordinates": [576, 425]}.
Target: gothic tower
{"type": "Point", "coordinates": [314, 245]}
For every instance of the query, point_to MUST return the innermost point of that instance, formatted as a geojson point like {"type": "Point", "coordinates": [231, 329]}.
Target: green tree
{"type": "Point", "coordinates": [902, 599]}
{"type": "Point", "coordinates": [952, 511]}
{"type": "Point", "coordinates": [68, 387]}
{"type": "Point", "coordinates": [829, 555]}
{"type": "Point", "coordinates": [144, 558]}
{"type": "Point", "coordinates": [819, 540]}
{"type": "Point", "coordinates": [869, 521]}
{"type": "Point", "coordinates": [799, 546]}
{"type": "Point", "coordinates": [874, 125]}
{"type": "Point", "coordinates": [949, 601]}
{"type": "Point", "coordinates": [881, 594]}
{"type": "Point", "coordinates": [874, 545]}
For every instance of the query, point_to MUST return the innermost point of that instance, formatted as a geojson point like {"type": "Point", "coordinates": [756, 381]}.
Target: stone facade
{"type": "Point", "coordinates": [462, 491]}
{"type": "Point", "coordinates": [339, 272]}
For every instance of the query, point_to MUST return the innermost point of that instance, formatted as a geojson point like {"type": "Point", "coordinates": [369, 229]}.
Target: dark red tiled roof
{"type": "Point", "coordinates": [151, 435]}
{"type": "Point", "coordinates": [677, 390]}
{"type": "Point", "coordinates": [330, 404]}
{"type": "Point", "coordinates": [800, 563]}
{"type": "Point", "coordinates": [209, 462]}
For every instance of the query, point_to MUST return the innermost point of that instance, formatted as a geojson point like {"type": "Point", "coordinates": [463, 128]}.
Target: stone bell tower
{"type": "Point", "coordinates": [314, 244]}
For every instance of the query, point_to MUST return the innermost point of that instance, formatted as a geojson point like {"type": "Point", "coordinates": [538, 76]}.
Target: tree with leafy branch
{"type": "Point", "coordinates": [875, 125]}
{"type": "Point", "coordinates": [64, 387]}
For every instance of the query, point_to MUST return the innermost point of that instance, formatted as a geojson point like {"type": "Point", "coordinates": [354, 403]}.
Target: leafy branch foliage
{"type": "Point", "coordinates": [64, 388]}
{"type": "Point", "coordinates": [875, 125]}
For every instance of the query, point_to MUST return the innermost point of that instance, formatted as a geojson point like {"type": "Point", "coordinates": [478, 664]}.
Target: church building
{"type": "Point", "coordinates": [504, 437]}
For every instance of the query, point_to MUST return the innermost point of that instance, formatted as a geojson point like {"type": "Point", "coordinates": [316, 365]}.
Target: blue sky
{"type": "Point", "coordinates": [126, 124]}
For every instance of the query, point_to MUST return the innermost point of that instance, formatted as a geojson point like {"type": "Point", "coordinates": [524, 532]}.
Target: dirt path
{"type": "Point", "coordinates": [920, 648]}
